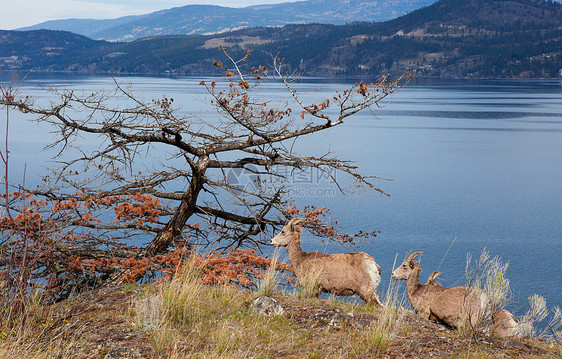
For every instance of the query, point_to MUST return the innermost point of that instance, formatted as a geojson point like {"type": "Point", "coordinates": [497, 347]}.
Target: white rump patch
{"type": "Point", "coordinates": [373, 271]}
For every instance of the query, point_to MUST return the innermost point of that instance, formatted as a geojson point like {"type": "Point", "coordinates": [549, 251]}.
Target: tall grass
{"type": "Point", "coordinates": [488, 276]}
{"type": "Point", "coordinates": [309, 284]}
{"type": "Point", "coordinates": [176, 313]}
{"type": "Point", "coordinates": [16, 268]}
{"type": "Point", "coordinates": [487, 280]}
{"type": "Point", "coordinates": [553, 330]}
{"type": "Point", "coordinates": [173, 303]}
{"type": "Point", "coordinates": [179, 297]}
{"type": "Point", "coordinates": [389, 320]}
{"type": "Point", "coordinates": [271, 280]}
{"type": "Point", "coordinates": [536, 313]}
{"type": "Point", "coordinates": [37, 334]}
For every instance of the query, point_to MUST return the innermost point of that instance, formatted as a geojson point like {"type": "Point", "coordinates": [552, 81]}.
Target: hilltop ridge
{"type": "Point", "coordinates": [211, 19]}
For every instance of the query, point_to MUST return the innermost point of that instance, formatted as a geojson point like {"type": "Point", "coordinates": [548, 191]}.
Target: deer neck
{"type": "Point", "coordinates": [412, 286]}
{"type": "Point", "coordinates": [295, 253]}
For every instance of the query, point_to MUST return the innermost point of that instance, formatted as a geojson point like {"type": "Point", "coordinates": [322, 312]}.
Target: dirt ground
{"type": "Point", "coordinates": [104, 326]}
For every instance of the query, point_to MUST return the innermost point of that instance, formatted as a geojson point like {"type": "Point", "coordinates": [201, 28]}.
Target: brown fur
{"type": "Point", "coordinates": [342, 273]}
{"type": "Point", "coordinates": [447, 305]}
{"type": "Point", "coordinates": [503, 324]}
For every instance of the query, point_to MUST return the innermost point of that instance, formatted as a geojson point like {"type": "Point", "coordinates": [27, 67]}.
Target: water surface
{"type": "Point", "coordinates": [477, 163]}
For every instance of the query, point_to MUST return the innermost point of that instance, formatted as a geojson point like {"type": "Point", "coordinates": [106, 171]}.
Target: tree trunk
{"type": "Point", "coordinates": [175, 225]}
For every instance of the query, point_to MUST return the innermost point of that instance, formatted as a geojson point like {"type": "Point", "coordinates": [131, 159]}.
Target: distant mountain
{"type": "Point", "coordinates": [208, 19]}
{"type": "Point", "coordinates": [451, 38]}
{"type": "Point", "coordinates": [26, 49]}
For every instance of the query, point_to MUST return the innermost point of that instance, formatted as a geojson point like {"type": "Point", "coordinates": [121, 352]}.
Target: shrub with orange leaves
{"type": "Point", "coordinates": [236, 267]}
{"type": "Point", "coordinates": [60, 245]}
{"type": "Point", "coordinates": [143, 208]}
{"type": "Point", "coordinates": [38, 247]}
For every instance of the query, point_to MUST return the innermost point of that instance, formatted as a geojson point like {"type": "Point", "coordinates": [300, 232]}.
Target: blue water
{"type": "Point", "coordinates": [477, 163]}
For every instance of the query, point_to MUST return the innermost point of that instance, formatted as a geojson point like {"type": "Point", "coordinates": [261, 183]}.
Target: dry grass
{"type": "Point", "coordinates": [184, 319]}
{"type": "Point", "coordinates": [270, 282]}
{"type": "Point", "coordinates": [36, 334]}
{"type": "Point", "coordinates": [187, 320]}
{"type": "Point", "coordinates": [309, 285]}
{"type": "Point", "coordinates": [182, 314]}
{"type": "Point", "coordinates": [390, 320]}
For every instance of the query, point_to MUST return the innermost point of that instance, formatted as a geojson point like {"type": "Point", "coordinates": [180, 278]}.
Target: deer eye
{"type": "Point", "coordinates": [282, 232]}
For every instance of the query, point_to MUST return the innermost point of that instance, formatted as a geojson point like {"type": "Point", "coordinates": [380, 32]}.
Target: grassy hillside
{"type": "Point", "coordinates": [184, 319]}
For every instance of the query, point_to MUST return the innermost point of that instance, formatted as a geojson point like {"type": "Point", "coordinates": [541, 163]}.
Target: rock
{"type": "Point", "coordinates": [123, 353]}
{"type": "Point", "coordinates": [333, 318]}
{"type": "Point", "coordinates": [330, 317]}
{"type": "Point", "coordinates": [266, 305]}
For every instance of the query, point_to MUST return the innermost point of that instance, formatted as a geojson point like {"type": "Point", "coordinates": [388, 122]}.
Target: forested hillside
{"type": "Point", "coordinates": [451, 38]}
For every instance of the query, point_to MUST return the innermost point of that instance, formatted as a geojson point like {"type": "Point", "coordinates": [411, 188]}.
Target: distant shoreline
{"type": "Point", "coordinates": [214, 75]}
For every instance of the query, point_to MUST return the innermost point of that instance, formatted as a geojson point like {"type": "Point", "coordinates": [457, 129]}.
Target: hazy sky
{"type": "Point", "coordinates": [19, 13]}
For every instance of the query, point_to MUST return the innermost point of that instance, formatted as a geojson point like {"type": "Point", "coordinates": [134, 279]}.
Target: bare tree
{"type": "Point", "coordinates": [162, 175]}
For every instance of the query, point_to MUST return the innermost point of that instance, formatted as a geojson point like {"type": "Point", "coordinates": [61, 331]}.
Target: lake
{"type": "Point", "coordinates": [473, 165]}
